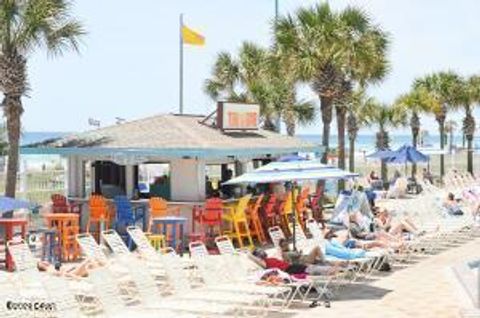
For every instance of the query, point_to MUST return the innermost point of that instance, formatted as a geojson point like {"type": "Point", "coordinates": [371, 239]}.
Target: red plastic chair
{"type": "Point", "coordinates": [210, 219]}
{"type": "Point", "coordinates": [61, 205]}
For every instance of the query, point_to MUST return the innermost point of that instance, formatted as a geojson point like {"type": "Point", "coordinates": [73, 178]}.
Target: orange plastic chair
{"type": "Point", "coordinates": [159, 208]}
{"type": "Point", "coordinates": [99, 214]}
{"type": "Point", "coordinates": [70, 248]}
{"type": "Point", "coordinates": [270, 214]}
{"type": "Point", "coordinates": [286, 212]}
{"type": "Point", "coordinates": [239, 224]}
{"type": "Point", "coordinates": [255, 224]}
{"type": "Point", "coordinates": [301, 205]}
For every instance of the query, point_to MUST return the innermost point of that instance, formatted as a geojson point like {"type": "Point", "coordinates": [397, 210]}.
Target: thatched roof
{"type": "Point", "coordinates": [173, 136]}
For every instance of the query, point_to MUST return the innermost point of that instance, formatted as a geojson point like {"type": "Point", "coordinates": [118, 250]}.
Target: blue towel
{"type": "Point", "coordinates": [337, 250]}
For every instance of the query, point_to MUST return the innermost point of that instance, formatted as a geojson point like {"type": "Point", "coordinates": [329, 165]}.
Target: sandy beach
{"type": "Point", "coordinates": [457, 160]}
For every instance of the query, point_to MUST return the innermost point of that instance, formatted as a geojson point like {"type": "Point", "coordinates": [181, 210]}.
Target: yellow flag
{"type": "Point", "coordinates": [191, 37]}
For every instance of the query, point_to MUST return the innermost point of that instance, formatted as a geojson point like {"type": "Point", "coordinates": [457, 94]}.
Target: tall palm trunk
{"type": "Point", "coordinates": [13, 84]}
{"type": "Point", "coordinates": [382, 144]}
{"type": "Point", "coordinates": [440, 118]}
{"type": "Point", "coordinates": [13, 111]}
{"type": "Point", "coordinates": [441, 127]}
{"type": "Point", "coordinates": [289, 120]}
{"type": "Point", "coordinates": [290, 126]}
{"type": "Point", "coordinates": [341, 122]}
{"type": "Point", "coordinates": [341, 112]}
{"type": "Point", "coordinates": [468, 132]}
{"type": "Point", "coordinates": [326, 109]}
{"type": "Point", "coordinates": [470, 154]}
{"type": "Point", "coordinates": [415, 126]}
{"type": "Point", "coordinates": [352, 136]}
{"type": "Point", "coordinates": [351, 154]}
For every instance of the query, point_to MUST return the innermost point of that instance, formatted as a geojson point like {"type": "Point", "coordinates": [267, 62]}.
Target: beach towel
{"type": "Point", "coordinates": [336, 249]}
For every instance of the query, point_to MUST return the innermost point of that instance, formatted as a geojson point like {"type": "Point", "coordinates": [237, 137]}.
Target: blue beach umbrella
{"type": "Point", "coordinates": [407, 154]}
{"type": "Point", "coordinates": [381, 154]}
{"type": "Point", "coordinates": [11, 204]}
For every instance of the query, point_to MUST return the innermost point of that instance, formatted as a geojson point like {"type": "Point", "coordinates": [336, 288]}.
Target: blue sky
{"type": "Point", "coordinates": [128, 65]}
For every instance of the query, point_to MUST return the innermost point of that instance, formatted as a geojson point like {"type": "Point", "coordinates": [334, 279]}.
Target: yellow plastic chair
{"type": "Point", "coordinates": [157, 241]}
{"type": "Point", "coordinates": [239, 229]}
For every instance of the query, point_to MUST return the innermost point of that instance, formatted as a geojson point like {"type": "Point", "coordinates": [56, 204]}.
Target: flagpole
{"type": "Point", "coordinates": [180, 100]}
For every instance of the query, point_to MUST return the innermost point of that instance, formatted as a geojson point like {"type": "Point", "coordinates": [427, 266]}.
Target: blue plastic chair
{"type": "Point", "coordinates": [124, 217]}
{"type": "Point", "coordinates": [127, 215]}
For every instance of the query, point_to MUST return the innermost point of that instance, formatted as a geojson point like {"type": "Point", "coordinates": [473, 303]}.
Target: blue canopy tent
{"type": "Point", "coordinates": [290, 173]}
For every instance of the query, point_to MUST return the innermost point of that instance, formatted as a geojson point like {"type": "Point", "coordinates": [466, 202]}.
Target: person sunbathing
{"type": "Point", "coordinates": [80, 270]}
{"type": "Point", "coordinates": [360, 237]}
{"type": "Point", "coordinates": [452, 206]}
{"type": "Point", "coordinates": [261, 258]}
{"type": "Point", "coordinates": [385, 222]}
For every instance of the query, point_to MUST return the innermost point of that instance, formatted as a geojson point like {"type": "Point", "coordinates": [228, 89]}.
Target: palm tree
{"type": "Point", "coordinates": [470, 95]}
{"type": "Point", "coordinates": [261, 76]}
{"type": "Point", "coordinates": [385, 117]}
{"type": "Point", "coordinates": [450, 126]}
{"type": "Point", "coordinates": [363, 61]}
{"type": "Point", "coordinates": [25, 26]}
{"type": "Point", "coordinates": [414, 103]}
{"type": "Point", "coordinates": [358, 108]}
{"type": "Point", "coordinates": [311, 37]}
{"type": "Point", "coordinates": [333, 50]}
{"type": "Point", "coordinates": [3, 147]}
{"type": "Point", "coordinates": [444, 88]}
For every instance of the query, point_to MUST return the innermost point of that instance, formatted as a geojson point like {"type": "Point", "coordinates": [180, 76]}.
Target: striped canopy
{"type": "Point", "coordinates": [292, 171]}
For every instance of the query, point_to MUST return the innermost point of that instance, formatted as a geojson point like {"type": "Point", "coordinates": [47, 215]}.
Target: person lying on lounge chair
{"type": "Point", "coordinates": [360, 237]}
{"type": "Point", "coordinates": [452, 206]}
{"type": "Point", "coordinates": [261, 258]}
{"type": "Point", "coordinates": [80, 270]}
{"type": "Point", "coordinates": [384, 221]}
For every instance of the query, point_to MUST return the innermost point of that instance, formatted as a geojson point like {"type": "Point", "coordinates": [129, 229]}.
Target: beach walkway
{"type": "Point", "coordinates": [420, 289]}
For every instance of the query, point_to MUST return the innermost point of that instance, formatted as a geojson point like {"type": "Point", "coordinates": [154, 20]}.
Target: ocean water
{"type": "Point", "coordinates": [366, 142]}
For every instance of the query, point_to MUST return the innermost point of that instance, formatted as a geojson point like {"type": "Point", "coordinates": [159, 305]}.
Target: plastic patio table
{"type": "Point", "coordinates": [60, 221]}
{"type": "Point", "coordinates": [173, 222]}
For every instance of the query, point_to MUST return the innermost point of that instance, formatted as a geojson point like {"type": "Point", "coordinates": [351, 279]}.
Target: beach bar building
{"type": "Point", "coordinates": [187, 143]}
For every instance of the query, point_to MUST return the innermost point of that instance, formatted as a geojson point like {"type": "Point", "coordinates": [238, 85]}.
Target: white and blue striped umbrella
{"type": "Point", "coordinates": [11, 204]}
{"type": "Point", "coordinates": [292, 171]}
